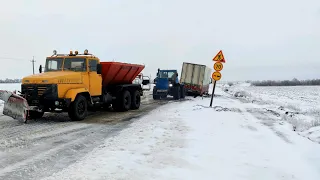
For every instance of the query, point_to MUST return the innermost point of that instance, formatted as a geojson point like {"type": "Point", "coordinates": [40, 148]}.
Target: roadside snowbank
{"type": "Point", "coordinates": [189, 140]}
{"type": "Point", "coordinates": [298, 105]}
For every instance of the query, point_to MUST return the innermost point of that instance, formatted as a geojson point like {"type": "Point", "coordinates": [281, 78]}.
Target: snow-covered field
{"type": "Point", "coordinates": [298, 105]}
{"type": "Point", "coordinates": [10, 86]}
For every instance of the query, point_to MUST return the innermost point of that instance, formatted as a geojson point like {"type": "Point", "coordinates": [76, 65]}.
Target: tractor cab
{"type": "Point", "coordinates": [165, 77]}
{"type": "Point", "coordinates": [165, 85]}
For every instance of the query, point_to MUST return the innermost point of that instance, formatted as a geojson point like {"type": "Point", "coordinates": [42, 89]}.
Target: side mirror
{"type": "Point", "coordinates": [40, 69]}
{"type": "Point", "coordinates": [146, 82]}
{"type": "Point", "coordinates": [99, 68]}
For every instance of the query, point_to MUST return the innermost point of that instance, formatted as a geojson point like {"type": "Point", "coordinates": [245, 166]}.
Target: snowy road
{"type": "Point", "coordinates": [189, 140]}
{"type": "Point", "coordinates": [235, 139]}
{"type": "Point", "coordinates": [42, 147]}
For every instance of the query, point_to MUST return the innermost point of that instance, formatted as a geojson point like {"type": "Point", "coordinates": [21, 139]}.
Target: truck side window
{"type": "Point", "coordinates": [92, 65]}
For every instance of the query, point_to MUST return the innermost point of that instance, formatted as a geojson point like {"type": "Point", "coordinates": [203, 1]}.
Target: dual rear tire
{"type": "Point", "coordinates": [126, 101]}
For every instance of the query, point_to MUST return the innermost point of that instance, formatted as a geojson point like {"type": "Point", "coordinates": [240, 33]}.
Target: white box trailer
{"type": "Point", "coordinates": [196, 78]}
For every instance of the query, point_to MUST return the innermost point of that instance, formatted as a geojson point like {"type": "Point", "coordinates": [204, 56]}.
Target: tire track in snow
{"type": "Point", "coordinates": [45, 146]}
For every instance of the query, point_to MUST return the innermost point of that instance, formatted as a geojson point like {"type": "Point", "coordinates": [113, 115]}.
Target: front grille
{"type": "Point", "coordinates": [35, 90]}
{"type": "Point", "coordinates": [41, 90]}
{"type": "Point", "coordinates": [35, 93]}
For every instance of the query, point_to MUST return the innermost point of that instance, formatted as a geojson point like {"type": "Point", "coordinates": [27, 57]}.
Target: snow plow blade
{"type": "Point", "coordinates": [15, 106]}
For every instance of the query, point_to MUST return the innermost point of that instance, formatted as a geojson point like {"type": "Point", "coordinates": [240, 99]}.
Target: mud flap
{"type": "Point", "coordinates": [15, 106]}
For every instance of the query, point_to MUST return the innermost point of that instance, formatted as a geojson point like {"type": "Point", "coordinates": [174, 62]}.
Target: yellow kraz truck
{"type": "Point", "coordinates": [73, 82]}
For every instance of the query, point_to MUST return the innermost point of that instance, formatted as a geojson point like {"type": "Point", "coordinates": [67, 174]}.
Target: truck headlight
{"type": "Point", "coordinates": [170, 85]}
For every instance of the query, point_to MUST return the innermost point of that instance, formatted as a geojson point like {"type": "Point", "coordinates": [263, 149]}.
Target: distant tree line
{"type": "Point", "coordinates": [10, 81]}
{"type": "Point", "coordinates": [293, 82]}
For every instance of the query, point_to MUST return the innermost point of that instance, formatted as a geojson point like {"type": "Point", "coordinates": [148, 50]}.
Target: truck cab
{"type": "Point", "coordinates": [65, 78]}
{"type": "Point", "coordinates": [165, 85]}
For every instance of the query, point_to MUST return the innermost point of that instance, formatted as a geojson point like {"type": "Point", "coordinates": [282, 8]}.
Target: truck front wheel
{"type": "Point", "coordinates": [78, 108]}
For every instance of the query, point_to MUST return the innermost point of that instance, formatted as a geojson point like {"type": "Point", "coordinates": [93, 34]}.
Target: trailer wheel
{"type": "Point", "coordinates": [35, 114]}
{"type": "Point", "coordinates": [135, 100]}
{"type": "Point", "coordinates": [78, 108]}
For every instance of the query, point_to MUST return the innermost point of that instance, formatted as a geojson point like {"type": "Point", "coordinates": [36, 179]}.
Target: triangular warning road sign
{"type": "Point", "coordinates": [219, 57]}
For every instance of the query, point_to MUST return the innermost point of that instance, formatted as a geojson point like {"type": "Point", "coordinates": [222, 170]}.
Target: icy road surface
{"type": "Point", "coordinates": [233, 140]}
{"type": "Point", "coordinates": [47, 145]}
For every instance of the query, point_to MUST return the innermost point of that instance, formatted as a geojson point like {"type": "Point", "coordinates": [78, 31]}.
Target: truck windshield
{"type": "Point", "coordinates": [53, 64]}
{"type": "Point", "coordinates": [166, 74]}
{"type": "Point", "coordinates": [74, 64]}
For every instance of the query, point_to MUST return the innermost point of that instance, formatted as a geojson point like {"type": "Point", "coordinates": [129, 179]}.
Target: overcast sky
{"type": "Point", "coordinates": [265, 39]}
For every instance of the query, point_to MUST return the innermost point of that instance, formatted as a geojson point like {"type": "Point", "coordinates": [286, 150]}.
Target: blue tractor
{"type": "Point", "coordinates": [167, 83]}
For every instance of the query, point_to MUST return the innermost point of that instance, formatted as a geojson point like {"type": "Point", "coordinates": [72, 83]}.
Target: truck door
{"type": "Point", "coordinates": [95, 79]}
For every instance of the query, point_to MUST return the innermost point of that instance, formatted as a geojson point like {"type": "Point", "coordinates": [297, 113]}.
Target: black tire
{"type": "Point", "coordinates": [122, 102]}
{"type": "Point", "coordinates": [135, 100]}
{"type": "Point", "coordinates": [183, 92]}
{"type": "Point", "coordinates": [176, 93]}
{"type": "Point", "coordinates": [164, 96]}
{"type": "Point", "coordinates": [35, 114]}
{"type": "Point", "coordinates": [78, 109]}
{"type": "Point", "coordinates": [154, 95]}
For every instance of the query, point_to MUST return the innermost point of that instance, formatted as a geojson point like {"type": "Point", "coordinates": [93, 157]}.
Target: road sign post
{"type": "Point", "coordinates": [216, 76]}
{"type": "Point", "coordinates": [214, 87]}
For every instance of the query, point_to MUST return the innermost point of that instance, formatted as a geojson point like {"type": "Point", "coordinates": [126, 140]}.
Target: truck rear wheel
{"type": "Point", "coordinates": [122, 102]}
{"type": "Point", "coordinates": [135, 100]}
{"type": "Point", "coordinates": [78, 108]}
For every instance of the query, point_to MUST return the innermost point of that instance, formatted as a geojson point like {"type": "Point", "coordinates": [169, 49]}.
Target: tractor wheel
{"type": "Point", "coordinates": [35, 114]}
{"type": "Point", "coordinates": [135, 100]}
{"type": "Point", "coordinates": [78, 109]}
{"type": "Point", "coordinates": [155, 96]}
{"type": "Point", "coordinates": [176, 93]}
{"type": "Point", "coordinates": [183, 92]}
{"type": "Point", "coordinates": [164, 96]}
